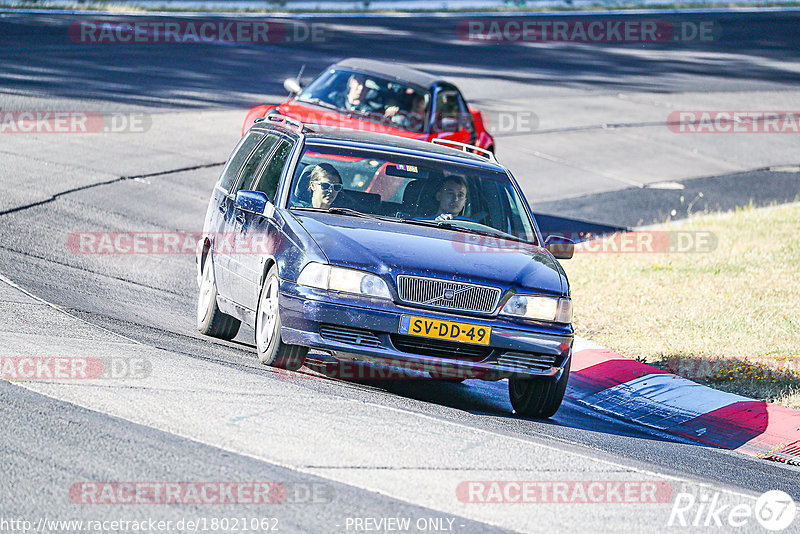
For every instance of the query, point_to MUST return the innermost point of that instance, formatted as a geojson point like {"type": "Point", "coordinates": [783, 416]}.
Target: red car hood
{"type": "Point", "coordinates": [311, 114]}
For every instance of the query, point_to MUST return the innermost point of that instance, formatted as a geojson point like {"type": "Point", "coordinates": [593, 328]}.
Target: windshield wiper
{"type": "Point", "coordinates": [318, 102]}
{"type": "Point", "coordinates": [449, 224]}
{"type": "Point", "coordinates": [327, 105]}
{"type": "Point", "coordinates": [354, 213]}
{"type": "Point", "coordinates": [376, 116]}
{"type": "Point", "coordinates": [342, 211]}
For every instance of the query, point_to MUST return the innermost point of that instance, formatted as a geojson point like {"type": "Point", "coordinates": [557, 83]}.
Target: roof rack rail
{"type": "Point", "coordinates": [464, 147]}
{"type": "Point", "coordinates": [277, 117]}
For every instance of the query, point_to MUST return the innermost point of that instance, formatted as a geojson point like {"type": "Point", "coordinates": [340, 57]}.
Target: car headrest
{"type": "Point", "coordinates": [301, 191]}
{"type": "Point", "coordinates": [359, 200]}
{"type": "Point", "coordinates": [419, 196]}
{"type": "Point", "coordinates": [411, 193]}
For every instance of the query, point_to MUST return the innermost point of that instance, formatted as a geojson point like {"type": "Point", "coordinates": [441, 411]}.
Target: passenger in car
{"type": "Point", "coordinates": [325, 183]}
{"type": "Point", "coordinates": [451, 196]}
{"type": "Point", "coordinates": [356, 96]}
{"type": "Point", "coordinates": [412, 119]}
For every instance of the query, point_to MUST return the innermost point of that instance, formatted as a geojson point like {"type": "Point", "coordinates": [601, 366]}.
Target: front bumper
{"type": "Point", "coordinates": [309, 315]}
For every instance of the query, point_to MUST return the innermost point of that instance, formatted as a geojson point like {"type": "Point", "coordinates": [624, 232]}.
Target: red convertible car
{"type": "Point", "coordinates": [381, 97]}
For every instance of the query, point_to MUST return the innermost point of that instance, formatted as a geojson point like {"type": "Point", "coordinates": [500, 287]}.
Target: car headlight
{"type": "Point", "coordinates": [557, 310]}
{"type": "Point", "coordinates": [335, 278]}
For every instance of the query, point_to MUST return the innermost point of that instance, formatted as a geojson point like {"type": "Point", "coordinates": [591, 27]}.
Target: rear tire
{"type": "Point", "coordinates": [210, 320]}
{"type": "Point", "coordinates": [536, 397]}
{"type": "Point", "coordinates": [271, 349]}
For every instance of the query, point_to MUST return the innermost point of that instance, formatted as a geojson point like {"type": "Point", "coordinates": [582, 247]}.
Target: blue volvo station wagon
{"type": "Point", "coordinates": [385, 250]}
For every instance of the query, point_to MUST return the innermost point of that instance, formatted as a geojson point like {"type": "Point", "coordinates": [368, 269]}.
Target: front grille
{"type": "Point", "coordinates": [440, 349]}
{"type": "Point", "coordinates": [346, 334]}
{"type": "Point", "coordinates": [434, 292]}
{"type": "Point", "coordinates": [526, 360]}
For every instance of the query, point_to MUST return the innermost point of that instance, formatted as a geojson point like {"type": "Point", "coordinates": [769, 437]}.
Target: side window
{"type": "Point", "coordinates": [248, 176]}
{"type": "Point", "coordinates": [466, 121]}
{"type": "Point", "coordinates": [271, 173]}
{"type": "Point", "coordinates": [519, 224]}
{"type": "Point", "coordinates": [236, 160]}
{"type": "Point", "coordinates": [447, 111]}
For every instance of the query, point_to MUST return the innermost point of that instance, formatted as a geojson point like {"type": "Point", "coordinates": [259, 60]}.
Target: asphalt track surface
{"type": "Point", "coordinates": [210, 412]}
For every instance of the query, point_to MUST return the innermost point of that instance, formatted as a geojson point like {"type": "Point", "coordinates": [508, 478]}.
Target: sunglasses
{"type": "Point", "coordinates": [327, 185]}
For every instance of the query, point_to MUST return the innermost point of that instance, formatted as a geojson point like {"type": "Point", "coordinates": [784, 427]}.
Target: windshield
{"type": "Point", "coordinates": [389, 102]}
{"type": "Point", "coordinates": [409, 189]}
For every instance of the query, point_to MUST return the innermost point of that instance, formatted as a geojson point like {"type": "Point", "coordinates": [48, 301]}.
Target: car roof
{"type": "Point", "coordinates": [395, 71]}
{"type": "Point", "coordinates": [370, 140]}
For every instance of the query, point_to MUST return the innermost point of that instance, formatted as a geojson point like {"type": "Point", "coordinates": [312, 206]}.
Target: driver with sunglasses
{"type": "Point", "coordinates": [324, 184]}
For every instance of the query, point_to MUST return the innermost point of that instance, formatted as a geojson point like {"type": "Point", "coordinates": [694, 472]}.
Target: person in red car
{"type": "Point", "coordinates": [357, 97]}
{"type": "Point", "coordinates": [413, 119]}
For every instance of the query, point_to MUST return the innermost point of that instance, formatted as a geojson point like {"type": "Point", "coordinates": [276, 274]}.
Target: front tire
{"type": "Point", "coordinates": [538, 398]}
{"type": "Point", "coordinates": [210, 320]}
{"type": "Point", "coordinates": [271, 350]}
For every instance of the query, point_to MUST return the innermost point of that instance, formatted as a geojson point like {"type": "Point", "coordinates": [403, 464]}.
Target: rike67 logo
{"type": "Point", "coordinates": [774, 510]}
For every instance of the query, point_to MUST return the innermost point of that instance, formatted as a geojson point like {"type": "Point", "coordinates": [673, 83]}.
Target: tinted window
{"type": "Point", "coordinates": [271, 173]}
{"type": "Point", "coordinates": [452, 113]}
{"type": "Point", "coordinates": [248, 176]}
{"type": "Point", "coordinates": [236, 160]}
{"type": "Point", "coordinates": [466, 121]}
{"type": "Point", "coordinates": [447, 111]}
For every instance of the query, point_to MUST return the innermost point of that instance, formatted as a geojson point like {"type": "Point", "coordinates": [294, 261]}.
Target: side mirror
{"type": "Point", "coordinates": [254, 202]}
{"type": "Point", "coordinates": [560, 247]}
{"type": "Point", "coordinates": [292, 85]}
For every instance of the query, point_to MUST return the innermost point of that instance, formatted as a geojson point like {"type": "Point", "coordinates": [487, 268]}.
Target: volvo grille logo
{"type": "Point", "coordinates": [449, 294]}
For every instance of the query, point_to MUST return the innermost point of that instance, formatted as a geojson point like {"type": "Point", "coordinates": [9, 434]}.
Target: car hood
{"type": "Point", "coordinates": [311, 114]}
{"type": "Point", "coordinates": [391, 248]}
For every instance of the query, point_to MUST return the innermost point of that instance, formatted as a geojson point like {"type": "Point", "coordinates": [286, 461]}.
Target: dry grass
{"type": "Point", "coordinates": [737, 306]}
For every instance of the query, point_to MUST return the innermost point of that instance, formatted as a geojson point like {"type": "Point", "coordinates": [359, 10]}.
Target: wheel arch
{"type": "Point", "coordinates": [268, 263]}
{"type": "Point", "coordinates": [203, 252]}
